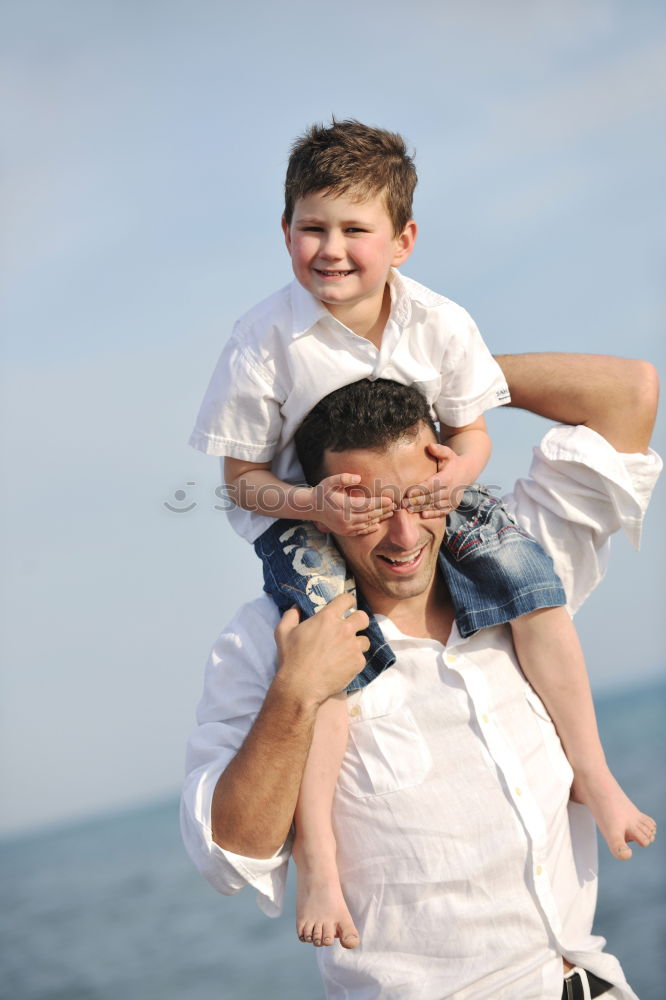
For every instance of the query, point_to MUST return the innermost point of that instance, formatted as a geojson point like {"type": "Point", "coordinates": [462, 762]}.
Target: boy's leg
{"type": "Point", "coordinates": [497, 574]}
{"type": "Point", "coordinates": [552, 660]}
{"type": "Point", "coordinates": [321, 911]}
{"type": "Point", "coordinates": [302, 567]}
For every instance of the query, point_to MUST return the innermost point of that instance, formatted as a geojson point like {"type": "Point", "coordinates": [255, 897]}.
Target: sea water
{"type": "Point", "coordinates": [113, 910]}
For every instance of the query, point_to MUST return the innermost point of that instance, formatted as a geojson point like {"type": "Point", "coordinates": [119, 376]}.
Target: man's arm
{"type": "Point", "coordinates": [584, 487]}
{"type": "Point", "coordinates": [255, 797]}
{"type": "Point", "coordinates": [616, 397]}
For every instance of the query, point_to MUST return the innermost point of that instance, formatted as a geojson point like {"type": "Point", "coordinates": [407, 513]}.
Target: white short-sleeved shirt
{"type": "Point", "coordinates": [466, 868]}
{"type": "Point", "coordinates": [289, 352]}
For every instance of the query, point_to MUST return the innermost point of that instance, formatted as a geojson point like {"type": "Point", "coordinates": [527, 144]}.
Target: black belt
{"type": "Point", "coordinates": [573, 986]}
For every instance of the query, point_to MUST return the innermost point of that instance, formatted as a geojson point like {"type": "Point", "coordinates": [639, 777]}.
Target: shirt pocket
{"type": "Point", "coordinates": [386, 753]}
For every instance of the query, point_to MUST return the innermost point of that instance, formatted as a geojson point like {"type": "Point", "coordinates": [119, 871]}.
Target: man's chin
{"type": "Point", "coordinates": [406, 588]}
{"type": "Point", "coordinates": [404, 585]}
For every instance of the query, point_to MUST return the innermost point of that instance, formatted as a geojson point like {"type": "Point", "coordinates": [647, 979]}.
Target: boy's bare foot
{"type": "Point", "coordinates": [618, 819]}
{"type": "Point", "coordinates": [321, 911]}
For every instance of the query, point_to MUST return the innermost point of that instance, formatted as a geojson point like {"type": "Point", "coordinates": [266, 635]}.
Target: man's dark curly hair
{"type": "Point", "coordinates": [365, 414]}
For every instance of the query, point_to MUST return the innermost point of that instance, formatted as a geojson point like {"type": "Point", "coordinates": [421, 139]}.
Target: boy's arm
{"type": "Point", "coordinates": [461, 458]}
{"type": "Point", "coordinates": [252, 486]}
{"type": "Point", "coordinates": [616, 397]}
{"type": "Point", "coordinates": [471, 445]}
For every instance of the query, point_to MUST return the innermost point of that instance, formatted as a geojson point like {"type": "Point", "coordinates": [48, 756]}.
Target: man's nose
{"type": "Point", "coordinates": [403, 528]}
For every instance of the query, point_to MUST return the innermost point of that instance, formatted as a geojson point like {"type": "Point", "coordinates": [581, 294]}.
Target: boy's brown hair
{"type": "Point", "coordinates": [348, 157]}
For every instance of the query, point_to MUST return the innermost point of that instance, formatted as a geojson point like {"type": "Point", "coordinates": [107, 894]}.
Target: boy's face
{"type": "Point", "coordinates": [342, 250]}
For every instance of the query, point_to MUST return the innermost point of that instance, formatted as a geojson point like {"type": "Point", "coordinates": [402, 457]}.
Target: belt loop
{"type": "Point", "coordinates": [581, 976]}
{"type": "Point", "coordinates": [587, 995]}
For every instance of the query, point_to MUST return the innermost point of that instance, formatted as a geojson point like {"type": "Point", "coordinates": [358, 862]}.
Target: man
{"type": "Point", "coordinates": [467, 870]}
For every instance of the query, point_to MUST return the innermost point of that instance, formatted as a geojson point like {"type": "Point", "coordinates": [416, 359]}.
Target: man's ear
{"type": "Point", "coordinates": [404, 243]}
{"type": "Point", "coordinates": [287, 234]}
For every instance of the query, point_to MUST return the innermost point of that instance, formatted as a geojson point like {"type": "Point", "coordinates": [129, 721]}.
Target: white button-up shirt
{"type": "Point", "coordinates": [289, 352]}
{"type": "Point", "coordinates": [466, 868]}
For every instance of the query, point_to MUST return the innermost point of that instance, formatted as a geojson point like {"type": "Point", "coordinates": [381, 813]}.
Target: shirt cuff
{"type": "Point", "coordinates": [213, 444]}
{"type": "Point", "coordinates": [628, 479]}
{"type": "Point", "coordinates": [457, 413]}
{"type": "Point", "coordinates": [579, 492]}
{"type": "Point", "coordinates": [267, 875]}
{"type": "Point", "coordinates": [227, 872]}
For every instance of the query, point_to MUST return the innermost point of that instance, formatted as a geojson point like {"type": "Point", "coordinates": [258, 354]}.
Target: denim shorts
{"type": "Point", "coordinates": [303, 567]}
{"type": "Point", "coordinates": [494, 571]}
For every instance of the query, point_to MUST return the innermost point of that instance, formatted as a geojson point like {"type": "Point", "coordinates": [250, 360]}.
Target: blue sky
{"type": "Point", "coordinates": [141, 197]}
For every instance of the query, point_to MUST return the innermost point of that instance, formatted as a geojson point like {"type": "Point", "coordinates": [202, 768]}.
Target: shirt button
{"type": "Point", "coordinates": [355, 710]}
{"type": "Point", "coordinates": [538, 869]}
{"type": "Point", "coordinates": [451, 658]}
{"type": "Point", "coordinates": [484, 718]}
{"type": "Point", "coordinates": [518, 791]}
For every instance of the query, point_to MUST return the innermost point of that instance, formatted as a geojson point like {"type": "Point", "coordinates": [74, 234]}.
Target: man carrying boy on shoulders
{"type": "Point", "coordinates": [467, 870]}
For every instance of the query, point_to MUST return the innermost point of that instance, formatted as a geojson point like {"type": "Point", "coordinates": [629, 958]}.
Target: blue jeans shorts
{"type": "Point", "coordinates": [494, 571]}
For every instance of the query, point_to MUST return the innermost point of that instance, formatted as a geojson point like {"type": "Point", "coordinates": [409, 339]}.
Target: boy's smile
{"type": "Point", "coordinates": [342, 251]}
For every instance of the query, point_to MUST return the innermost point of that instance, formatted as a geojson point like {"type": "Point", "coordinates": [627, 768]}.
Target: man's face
{"type": "Point", "coordinates": [398, 562]}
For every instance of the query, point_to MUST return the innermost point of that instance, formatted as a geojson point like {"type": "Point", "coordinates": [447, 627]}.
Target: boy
{"type": "Point", "coordinates": [350, 315]}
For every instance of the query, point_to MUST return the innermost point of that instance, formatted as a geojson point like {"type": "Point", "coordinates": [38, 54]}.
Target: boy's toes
{"type": "Point", "coordinates": [327, 934]}
{"type": "Point", "coordinates": [305, 933]}
{"type": "Point", "coordinates": [348, 936]}
{"type": "Point", "coordinates": [646, 831]}
{"type": "Point", "coordinates": [621, 850]}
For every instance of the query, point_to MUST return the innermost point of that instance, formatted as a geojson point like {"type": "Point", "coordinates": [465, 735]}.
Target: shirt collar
{"type": "Point", "coordinates": [393, 634]}
{"type": "Point", "coordinates": [401, 303]}
{"type": "Point", "coordinates": [307, 310]}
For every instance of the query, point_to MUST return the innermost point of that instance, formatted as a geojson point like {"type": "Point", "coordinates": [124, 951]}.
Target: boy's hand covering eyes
{"type": "Point", "coordinates": [443, 491]}
{"type": "Point", "coordinates": [345, 509]}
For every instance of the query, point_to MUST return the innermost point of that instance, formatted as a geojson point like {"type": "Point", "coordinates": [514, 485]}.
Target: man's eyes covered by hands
{"type": "Point", "coordinates": [349, 509]}
{"type": "Point", "coordinates": [346, 508]}
{"type": "Point", "coordinates": [442, 492]}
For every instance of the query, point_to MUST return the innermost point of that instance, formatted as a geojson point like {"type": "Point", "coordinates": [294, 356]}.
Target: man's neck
{"type": "Point", "coordinates": [429, 618]}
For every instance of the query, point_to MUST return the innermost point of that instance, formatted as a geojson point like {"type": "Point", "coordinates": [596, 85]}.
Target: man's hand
{"type": "Point", "coordinates": [341, 507]}
{"type": "Point", "coordinates": [319, 657]}
{"type": "Point", "coordinates": [442, 492]}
